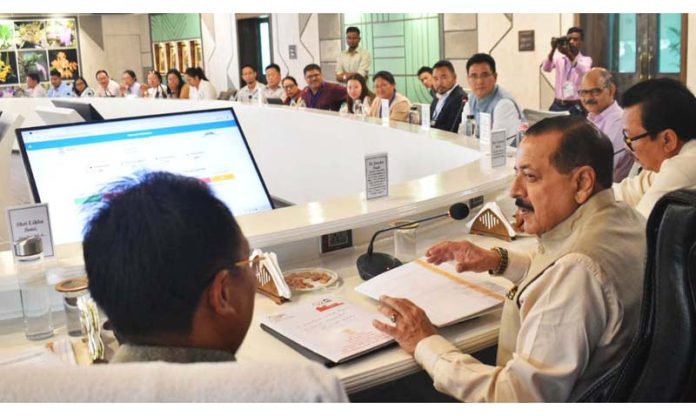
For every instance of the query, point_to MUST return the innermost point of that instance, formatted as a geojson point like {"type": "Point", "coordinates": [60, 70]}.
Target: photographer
{"type": "Point", "coordinates": [570, 67]}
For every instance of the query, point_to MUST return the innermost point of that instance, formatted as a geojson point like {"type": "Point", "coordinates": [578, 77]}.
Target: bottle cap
{"type": "Point", "coordinates": [72, 285]}
{"type": "Point", "coordinates": [28, 246]}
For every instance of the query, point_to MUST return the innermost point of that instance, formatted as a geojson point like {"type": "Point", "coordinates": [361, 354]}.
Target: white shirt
{"type": "Point", "coordinates": [644, 190]}
{"type": "Point", "coordinates": [152, 92]}
{"type": "Point", "coordinates": [268, 92]}
{"type": "Point", "coordinates": [356, 62]}
{"type": "Point", "coordinates": [112, 90]}
{"type": "Point", "coordinates": [561, 341]}
{"type": "Point", "coordinates": [37, 92]}
{"type": "Point", "coordinates": [505, 116]}
{"type": "Point", "coordinates": [246, 95]}
{"type": "Point", "coordinates": [204, 91]}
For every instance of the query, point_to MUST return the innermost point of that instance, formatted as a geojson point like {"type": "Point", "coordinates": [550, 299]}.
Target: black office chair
{"type": "Point", "coordinates": [660, 364]}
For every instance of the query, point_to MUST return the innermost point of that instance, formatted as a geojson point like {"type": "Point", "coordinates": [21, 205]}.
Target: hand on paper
{"type": "Point", "coordinates": [411, 324]}
{"type": "Point", "coordinates": [469, 257]}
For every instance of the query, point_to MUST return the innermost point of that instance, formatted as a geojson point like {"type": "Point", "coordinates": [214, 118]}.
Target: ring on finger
{"type": "Point", "coordinates": [393, 317]}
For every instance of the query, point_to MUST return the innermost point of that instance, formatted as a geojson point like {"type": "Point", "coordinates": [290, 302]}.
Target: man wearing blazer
{"type": "Point", "coordinates": [446, 108]}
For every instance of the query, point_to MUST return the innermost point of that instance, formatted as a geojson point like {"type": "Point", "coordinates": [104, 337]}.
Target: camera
{"type": "Point", "coordinates": [562, 41]}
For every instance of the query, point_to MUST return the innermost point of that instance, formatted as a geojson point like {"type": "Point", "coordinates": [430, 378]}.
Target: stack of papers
{"type": "Point", "coordinates": [447, 297]}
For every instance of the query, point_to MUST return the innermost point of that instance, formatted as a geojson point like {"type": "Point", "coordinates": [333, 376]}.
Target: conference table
{"type": "Point", "coordinates": [432, 169]}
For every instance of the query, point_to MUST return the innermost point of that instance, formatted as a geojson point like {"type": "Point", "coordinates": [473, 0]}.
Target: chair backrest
{"type": "Point", "coordinates": [660, 364]}
{"type": "Point", "coordinates": [535, 116]}
{"type": "Point", "coordinates": [167, 382]}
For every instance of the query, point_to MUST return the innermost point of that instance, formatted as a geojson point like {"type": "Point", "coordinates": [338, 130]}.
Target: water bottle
{"type": "Point", "coordinates": [33, 288]}
{"type": "Point", "coordinates": [521, 133]}
{"type": "Point", "coordinates": [358, 107]}
{"type": "Point", "coordinates": [470, 125]}
{"type": "Point", "coordinates": [414, 115]}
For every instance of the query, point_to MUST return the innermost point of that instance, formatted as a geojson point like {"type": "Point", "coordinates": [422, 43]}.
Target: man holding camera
{"type": "Point", "coordinates": [570, 67]}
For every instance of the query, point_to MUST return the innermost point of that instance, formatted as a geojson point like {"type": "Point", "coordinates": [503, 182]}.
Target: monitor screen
{"type": "Point", "coordinates": [85, 110]}
{"type": "Point", "coordinates": [69, 166]}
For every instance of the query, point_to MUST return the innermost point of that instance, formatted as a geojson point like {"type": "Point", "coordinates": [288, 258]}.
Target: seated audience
{"type": "Point", "coordinates": [169, 265]}
{"type": "Point", "coordinates": [34, 88]}
{"type": "Point", "coordinates": [356, 86]}
{"type": "Point", "coordinates": [130, 87]}
{"type": "Point", "coordinates": [176, 87]}
{"type": "Point", "coordinates": [659, 128]}
{"type": "Point", "coordinates": [575, 303]}
{"type": "Point", "coordinates": [385, 89]}
{"type": "Point", "coordinates": [154, 88]}
{"type": "Point", "coordinates": [488, 97]}
{"type": "Point", "coordinates": [293, 94]}
{"type": "Point", "coordinates": [273, 87]}
{"type": "Point", "coordinates": [58, 87]}
{"type": "Point", "coordinates": [199, 86]}
{"type": "Point", "coordinates": [319, 94]}
{"type": "Point", "coordinates": [107, 86]}
{"type": "Point", "coordinates": [570, 65]}
{"type": "Point", "coordinates": [253, 90]}
{"type": "Point", "coordinates": [425, 75]}
{"type": "Point", "coordinates": [446, 108]}
{"type": "Point", "coordinates": [597, 91]}
{"type": "Point", "coordinates": [81, 89]}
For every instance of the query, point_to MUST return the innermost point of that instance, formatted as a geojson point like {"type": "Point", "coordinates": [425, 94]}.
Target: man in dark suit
{"type": "Point", "coordinates": [446, 108]}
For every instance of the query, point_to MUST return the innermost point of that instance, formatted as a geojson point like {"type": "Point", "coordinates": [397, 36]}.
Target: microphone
{"type": "Point", "coordinates": [454, 126]}
{"type": "Point", "coordinates": [371, 264]}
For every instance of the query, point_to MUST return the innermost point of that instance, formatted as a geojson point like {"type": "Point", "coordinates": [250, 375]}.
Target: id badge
{"type": "Point", "coordinates": [568, 89]}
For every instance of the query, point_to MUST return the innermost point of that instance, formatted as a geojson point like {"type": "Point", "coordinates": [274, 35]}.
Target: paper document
{"type": "Point", "coordinates": [328, 326]}
{"type": "Point", "coordinates": [446, 296]}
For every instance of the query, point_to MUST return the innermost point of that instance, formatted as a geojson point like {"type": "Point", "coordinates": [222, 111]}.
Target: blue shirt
{"type": "Point", "coordinates": [62, 91]}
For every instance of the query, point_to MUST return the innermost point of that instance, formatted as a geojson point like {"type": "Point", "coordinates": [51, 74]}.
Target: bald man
{"type": "Point", "coordinates": [596, 92]}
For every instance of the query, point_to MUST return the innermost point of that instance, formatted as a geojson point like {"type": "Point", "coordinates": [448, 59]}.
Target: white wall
{"type": "Point", "coordinates": [124, 44]}
{"type": "Point", "coordinates": [286, 31]}
{"type": "Point", "coordinates": [518, 72]}
{"type": "Point", "coordinates": [691, 53]}
{"type": "Point", "coordinates": [220, 57]}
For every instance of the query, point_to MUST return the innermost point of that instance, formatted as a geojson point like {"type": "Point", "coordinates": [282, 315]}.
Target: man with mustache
{"type": "Point", "coordinates": [597, 92]}
{"type": "Point", "coordinates": [575, 302]}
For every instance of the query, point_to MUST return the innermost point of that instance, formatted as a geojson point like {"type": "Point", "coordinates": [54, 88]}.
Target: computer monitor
{"type": "Point", "coordinates": [69, 166]}
{"type": "Point", "coordinates": [53, 115]}
{"type": "Point", "coordinates": [85, 110]}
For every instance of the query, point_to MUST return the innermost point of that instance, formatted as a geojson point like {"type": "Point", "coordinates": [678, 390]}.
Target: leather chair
{"type": "Point", "coordinates": [660, 364]}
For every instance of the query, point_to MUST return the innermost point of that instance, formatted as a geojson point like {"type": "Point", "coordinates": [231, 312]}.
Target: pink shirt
{"type": "Point", "coordinates": [610, 122]}
{"type": "Point", "coordinates": [565, 71]}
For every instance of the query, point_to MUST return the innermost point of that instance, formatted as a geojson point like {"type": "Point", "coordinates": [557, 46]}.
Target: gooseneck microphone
{"type": "Point", "coordinates": [371, 264]}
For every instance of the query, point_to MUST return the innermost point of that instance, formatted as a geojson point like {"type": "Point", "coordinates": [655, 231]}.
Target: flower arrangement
{"type": "Point", "coordinates": [6, 34]}
{"type": "Point", "coordinates": [29, 34]}
{"type": "Point", "coordinates": [61, 33]}
{"type": "Point", "coordinates": [65, 66]}
{"type": "Point", "coordinates": [5, 67]}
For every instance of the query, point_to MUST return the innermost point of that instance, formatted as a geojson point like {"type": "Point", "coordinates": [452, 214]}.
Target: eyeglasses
{"type": "Point", "coordinates": [593, 92]}
{"type": "Point", "coordinates": [476, 77]}
{"type": "Point", "coordinates": [312, 76]}
{"type": "Point", "coordinates": [629, 140]}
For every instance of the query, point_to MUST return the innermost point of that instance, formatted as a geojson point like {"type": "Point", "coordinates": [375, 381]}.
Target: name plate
{"type": "Point", "coordinates": [498, 145]}
{"type": "Point", "coordinates": [485, 128]}
{"type": "Point", "coordinates": [376, 176]}
{"type": "Point", "coordinates": [30, 220]}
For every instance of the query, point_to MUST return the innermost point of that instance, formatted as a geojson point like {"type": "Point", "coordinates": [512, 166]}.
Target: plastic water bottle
{"type": "Point", "coordinates": [521, 133]}
{"type": "Point", "coordinates": [33, 288]}
{"type": "Point", "coordinates": [470, 125]}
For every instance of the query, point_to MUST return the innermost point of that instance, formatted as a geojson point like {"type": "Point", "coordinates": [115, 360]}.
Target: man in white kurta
{"type": "Point", "coordinates": [660, 129]}
{"type": "Point", "coordinates": [575, 302]}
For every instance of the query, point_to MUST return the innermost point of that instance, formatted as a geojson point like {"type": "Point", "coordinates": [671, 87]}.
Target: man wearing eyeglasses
{"type": "Point", "coordinates": [488, 97]}
{"type": "Point", "coordinates": [659, 129]}
{"type": "Point", "coordinates": [597, 92]}
{"type": "Point", "coordinates": [319, 94]}
{"type": "Point", "coordinates": [169, 265]}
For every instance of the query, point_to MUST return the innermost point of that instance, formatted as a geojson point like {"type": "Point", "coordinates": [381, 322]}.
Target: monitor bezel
{"type": "Point", "coordinates": [73, 103]}
{"type": "Point", "coordinates": [30, 174]}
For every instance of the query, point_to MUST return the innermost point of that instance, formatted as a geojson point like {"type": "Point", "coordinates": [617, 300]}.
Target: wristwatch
{"type": "Point", "coordinates": [504, 261]}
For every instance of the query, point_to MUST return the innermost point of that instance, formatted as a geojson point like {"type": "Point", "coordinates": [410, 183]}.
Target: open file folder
{"type": "Point", "coordinates": [447, 297]}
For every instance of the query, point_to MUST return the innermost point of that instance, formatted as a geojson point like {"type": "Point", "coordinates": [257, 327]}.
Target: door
{"type": "Point", "coordinates": [254, 41]}
{"type": "Point", "coordinates": [636, 46]}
